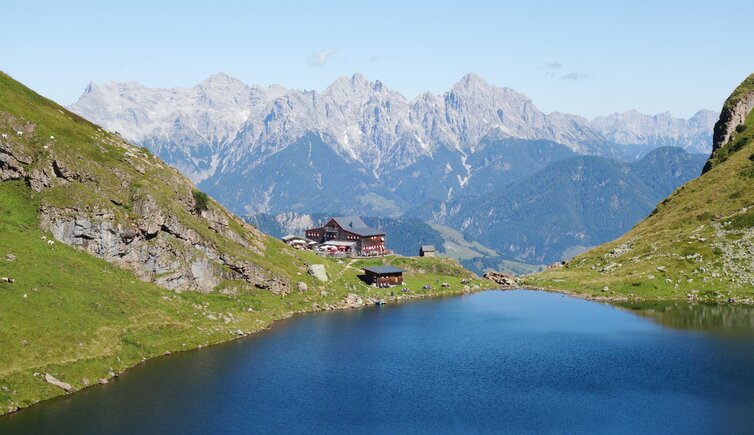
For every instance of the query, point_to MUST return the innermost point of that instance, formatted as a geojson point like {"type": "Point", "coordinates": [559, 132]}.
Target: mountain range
{"type": "Point", "coordinates": [568, 206]}
{"type": "Point", "coordinates": [360, 147]}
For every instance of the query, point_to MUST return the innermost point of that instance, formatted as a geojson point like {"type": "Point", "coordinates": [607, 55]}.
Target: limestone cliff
{"type": "Point", "coordinates": [732, 117]}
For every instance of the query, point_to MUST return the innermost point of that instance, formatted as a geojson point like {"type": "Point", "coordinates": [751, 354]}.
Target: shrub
{"type": "Point", "coordinates": [201, 201]}
{"type": "Point", "coordinates": [740, 128]}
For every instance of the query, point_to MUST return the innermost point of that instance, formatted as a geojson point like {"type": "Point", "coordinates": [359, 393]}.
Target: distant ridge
{"type": "Point", "coordinates": [224, 133]}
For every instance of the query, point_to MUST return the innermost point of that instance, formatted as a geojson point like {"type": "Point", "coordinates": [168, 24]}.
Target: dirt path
{"type": "Point", "coordinates": [346, 267]}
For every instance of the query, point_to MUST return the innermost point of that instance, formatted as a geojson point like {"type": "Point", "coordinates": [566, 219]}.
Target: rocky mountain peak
{"type": "Point", "coordinates": [356, 86]}
{"type": "Point", "coordinates": [223, 126]}
{"type": "Point", "coordinates": [221, 81]}
{"type": "Point", "coordinates": [91, 87]}
{"type": "Point", "coordinates": [632, 128]}
{"type": "Point", "coordinates": [471, 81]}
{"type": "Point", "coordinates": [704, 116]}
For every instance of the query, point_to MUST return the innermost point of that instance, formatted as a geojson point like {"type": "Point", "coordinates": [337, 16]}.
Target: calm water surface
{"type": "Point", "coordinates": [519, 361]}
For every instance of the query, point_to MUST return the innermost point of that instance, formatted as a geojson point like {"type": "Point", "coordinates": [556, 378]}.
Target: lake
{"type": "Point", "coordinates": [492, 362]}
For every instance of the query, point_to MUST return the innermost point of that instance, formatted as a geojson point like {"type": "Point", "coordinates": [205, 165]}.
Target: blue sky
{"type": "Point", "coordinates": [583, 57]}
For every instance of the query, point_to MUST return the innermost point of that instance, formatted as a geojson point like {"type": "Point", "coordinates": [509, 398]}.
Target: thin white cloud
{"type": "Point", "coordinates": [574, 76]}
{"type": "Point", "coordinates": [321, 57]}
{"type": "Point", "coordinates": [551, 68]}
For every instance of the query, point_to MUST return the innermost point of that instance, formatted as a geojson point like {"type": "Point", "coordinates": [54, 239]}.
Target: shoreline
{"type": "Point", "coordinates": [623, 298]}
{"type": "Point", "coordinates": [366, 301]}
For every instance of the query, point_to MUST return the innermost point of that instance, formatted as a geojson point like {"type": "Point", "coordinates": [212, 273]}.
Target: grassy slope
{"type": "Point", "coordinates": [78, 317]}
{"type": "Point", "coordinates": [456, 246]}
{"type": "Point", "coordinates": [697, 243]}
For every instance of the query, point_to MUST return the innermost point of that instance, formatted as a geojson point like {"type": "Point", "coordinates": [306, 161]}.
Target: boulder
{"type": "Point", "coordinates": [50, 379]}
{"type": "Point", "coordinates": [10, 257]}
{"type": "Point", "coordinates": [318, 271]}
{"type": "Point", "coordinates": [302, 287]}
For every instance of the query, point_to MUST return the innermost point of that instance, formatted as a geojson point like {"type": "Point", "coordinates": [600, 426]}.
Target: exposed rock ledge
{"type": "Point", "coordinates": [731, 117]}
{"type": "Point", "coordinates": [157, 248]}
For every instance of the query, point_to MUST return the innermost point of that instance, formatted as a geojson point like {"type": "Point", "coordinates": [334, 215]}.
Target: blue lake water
{"type": "Point", "coordinates": [493, 362]}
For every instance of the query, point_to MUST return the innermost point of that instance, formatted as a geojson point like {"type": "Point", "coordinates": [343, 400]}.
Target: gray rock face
{"type": "Point", "coordinates": [11, 167]}
{"type": "Point", "coordinates": [730, 119]}
{"type": "Point", "coordinates": [13, 163]}
{"type": "Point", "coordinates": [157, 249]}
{"type": "Point", "coordinates": [152, 219]}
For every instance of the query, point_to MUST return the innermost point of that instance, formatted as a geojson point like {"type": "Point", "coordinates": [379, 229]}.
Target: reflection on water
{"type": "Point", "coordinates": [721, 318]}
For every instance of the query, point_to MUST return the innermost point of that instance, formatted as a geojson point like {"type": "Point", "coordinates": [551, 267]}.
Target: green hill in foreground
{"type": "Point", "coordinates": [109, 257]}
{"type": "Point", "coordinates": [697, 244]}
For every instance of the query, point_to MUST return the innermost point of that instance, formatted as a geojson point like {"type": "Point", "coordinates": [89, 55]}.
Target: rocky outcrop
{"type": "Point", "coordinates": [14, 165]}
{"type": "Point", "coordinates": [503, 280]}
{"type": "Point", "coordinates": [733, 114]}
{"type": "Point", "coordinates": [39, 179]}
{"type": "Point", "coordinates": [62, 171]}
{"type": "Point", "coordinates": [157, 248]}
{"type": "Point", "coordinates": [50, 379]}
{"type": "Point", "coordinates": [352, 300]}
{"type": "Point", "coordinates": [11, 163]}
